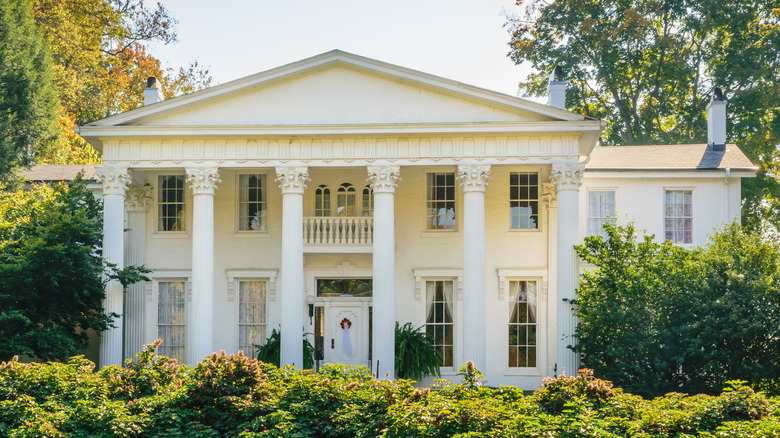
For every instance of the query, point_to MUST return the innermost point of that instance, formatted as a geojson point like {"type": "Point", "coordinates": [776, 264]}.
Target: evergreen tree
{"type": "Point", "coordinates": [28, 99]}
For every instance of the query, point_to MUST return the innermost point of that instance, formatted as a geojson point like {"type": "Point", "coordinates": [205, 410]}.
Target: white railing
{"type": "Point", "coordinates": [338, 230]}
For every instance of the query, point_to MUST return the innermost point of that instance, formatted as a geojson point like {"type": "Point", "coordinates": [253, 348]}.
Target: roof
{"type": "Point", "coordinates": [59, 172]}
{"type": "Point", "coordinates": [668, 157]}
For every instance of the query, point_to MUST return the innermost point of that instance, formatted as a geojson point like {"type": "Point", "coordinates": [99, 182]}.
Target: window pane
{"type": "Point", "coordinates": [524, 200]}
{"type": "Point", "coordinates": [170, 203]}
{"type": "Point", "coordinates": [678, 216]}
{"type": "Point", "coordinates": [522, 324]}
{"type": "Point", "coordinates": [601, 208]}
{"type": "Point", "coordinates": [171, 319]}
{"type": "Point", "coordinates": [441, 201]}
{"type": "Point", "coordinates": [252, 203]}
{"type": "Point", "coordinates": [251, 316]}
{"type": "Point", "coordinates": [439, 321]}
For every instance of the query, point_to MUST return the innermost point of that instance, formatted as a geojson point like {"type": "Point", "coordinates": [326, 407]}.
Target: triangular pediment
{"type": "Point", "coordinates": [338, 88]}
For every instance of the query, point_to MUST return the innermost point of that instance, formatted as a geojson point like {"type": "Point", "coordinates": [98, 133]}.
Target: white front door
{"type": "Point", "coordinates": [346, 332]}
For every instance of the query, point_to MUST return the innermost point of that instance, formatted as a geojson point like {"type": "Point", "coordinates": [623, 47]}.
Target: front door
{"type": "Point", "coordinates": [346, 332]}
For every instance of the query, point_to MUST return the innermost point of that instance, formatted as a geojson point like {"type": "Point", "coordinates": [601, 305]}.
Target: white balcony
{"type": "Point", "coordinates": [338, 234]}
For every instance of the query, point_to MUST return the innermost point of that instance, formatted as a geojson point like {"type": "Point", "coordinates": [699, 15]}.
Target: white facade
{"type": "Point", "coordinates": [477, 200]}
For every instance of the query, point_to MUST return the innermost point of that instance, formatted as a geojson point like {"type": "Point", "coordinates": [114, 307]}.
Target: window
{"type": "Point", "coordinates": [522, 324]}
{"type": "Point", "coordinates": [524, 200]}
{"type": "Point", "coordinates": [170, 203]}
{"type": "Point", "coordinates": [345, 287]}
{"type": "Point", "coordinates": [439, 323]}
{"type": "Point", "coordinates": [251, 316]}
{"type": "Point", "coordinates": [345, 200]}
{"type": "Point", "coordinates": [368, 201]}
{"type": "Point", "coordinates": [171, 319]}
{"type": "Point", "coordinates": [441, 201]}
{"type": "Point", "coordinates": [322, 201]}
{"type": "Point", "coordinates": [601, 207]}
{"type": "Point", "coordinates": [678, 216]}
{"type": "Point", "coordinates": [252, 204]}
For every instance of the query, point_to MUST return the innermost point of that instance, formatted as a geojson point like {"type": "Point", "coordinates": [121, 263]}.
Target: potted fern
{"type": "Point", "coordinates": [271, 351]}
{"type": "Point", "coordinates": [415, 355]}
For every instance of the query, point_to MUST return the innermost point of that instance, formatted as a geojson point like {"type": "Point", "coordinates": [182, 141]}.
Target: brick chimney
{"type": "Point", "coordinates": [716, 121]}
{"type": "Point", "coordinates": [152, 94]}
{"type": "Point", "coordinates": [556, 89]}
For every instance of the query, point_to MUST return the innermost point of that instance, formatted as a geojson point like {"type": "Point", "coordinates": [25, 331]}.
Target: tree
{"type": "Point", "coordinates": [101, 63]}
{"type": "Point", "coordinates": [52, 271]}
{"type": "Point", "coordinates": [648, 68]}
{"type": "Point", "coordinates": [657, 318]}
{"type": "Point", "coordinates": [28, 99]}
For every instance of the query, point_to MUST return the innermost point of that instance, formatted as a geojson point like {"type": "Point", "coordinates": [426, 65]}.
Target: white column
{"type": "Point", "coordinates": [384, 180]}
{"type": "Point", "coordinates": [138, 198]}
{"type": "Point", "coordinates": [292, 181]}
{"type": "Point", "coordinates": [473, 180]}
{"type": "Point", "coordinates": [567, 179]}
{"type": "Point", "coordinates": [114, 181]}
{"type": "Point", "coordinates": [199, 332]}
{"type": "Point", "coordinates": [551, 202]}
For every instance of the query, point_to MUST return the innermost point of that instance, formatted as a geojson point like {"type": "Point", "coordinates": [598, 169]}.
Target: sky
{"type": "Point", "coordinates": [463, 40]}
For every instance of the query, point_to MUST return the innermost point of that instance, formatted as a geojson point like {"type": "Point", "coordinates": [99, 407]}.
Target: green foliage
{"type": "Point", "coordinates": [243, 397]}
{"type": "Point", "coordinates": [415, 355]}
{"type": "Point", "coordinates": [28, 99]}
{"type": "Point", "coordinates": [649, 67]}
{"type": "Point", "coordinates": [271, 351]}
{"type": "Point", "coordinates": [656, 318]}
{"type": "Point", "coordinates": [52, 270]}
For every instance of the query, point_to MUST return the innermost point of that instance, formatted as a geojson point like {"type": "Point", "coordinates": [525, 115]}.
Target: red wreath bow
{"type": "Point", "coordinates": [346, 322]}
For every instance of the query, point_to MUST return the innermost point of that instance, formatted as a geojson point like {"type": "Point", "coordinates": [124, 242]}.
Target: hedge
{"type": "Point", "coordinates": [154, 396]}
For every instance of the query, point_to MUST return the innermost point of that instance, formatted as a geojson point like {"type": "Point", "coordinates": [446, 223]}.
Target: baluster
{"type": "Point", "coordinates": [371, 231]}
{"type": "Point", "coordinates": [331, 231]}
{"type": "Point", "coordinates": [306, 224]}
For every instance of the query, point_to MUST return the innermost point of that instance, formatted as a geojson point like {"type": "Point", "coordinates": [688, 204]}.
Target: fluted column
{"type": "Point", "coordinates": [384, 180]}
{"type": "Point", "coordinates": [199, 331]}
{"type": "Point", "coordinates": [551, 202]}
{"type": "Point", "coordinates": [115, 181]}
{"type": "Point", "coordinates": [137, 201]}
{"type": "Point", "coordinates": [567, 179]}
{"type": "Point", "coordinates": [473, 181]}
{"type": "Point", "coordinates": [292, 181]}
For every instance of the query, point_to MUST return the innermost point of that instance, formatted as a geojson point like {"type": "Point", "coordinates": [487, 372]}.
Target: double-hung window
{"type": "Point", "coordinates": [170, 203]}
{"type": "Point", "coordinates": [524, 200]}
{"type": "Point", "coordinates": [439, 321]}
{"type": "Point", "coordinates": [522, 324]}
{"type": "Point", "coordinates": [171, 319]}
{"type": "Point", "coordinates": [322, 201]}
{"type": "Point", "coordinates": [252, 203]}
{"type": "Point", "coordinates": [601, 208]}
{"type": "Point", "coordinates": [441, 201]}
{"type": "Point", "coordinates": [251, 316]}
{"type": "Point", "coordinates": [678, 216]}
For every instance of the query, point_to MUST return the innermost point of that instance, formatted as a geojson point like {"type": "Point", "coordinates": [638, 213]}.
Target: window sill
{"type": "Point", "coordinates": [252, 235]}
{"type": "Point", "coordinates": [171, 235]}
{"type": "Point", "coordinates": [516, 231]}
{"type": "Point", "coordinates": [523, 372]}
{"type": "Point", "coordinates": [440, 233]}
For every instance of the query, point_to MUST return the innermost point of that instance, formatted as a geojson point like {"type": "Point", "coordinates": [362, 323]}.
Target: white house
{"type": "Point", "coordinates": [339, 194]}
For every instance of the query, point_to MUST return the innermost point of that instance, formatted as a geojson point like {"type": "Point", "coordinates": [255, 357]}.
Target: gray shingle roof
{"type": "Point", "coordinates": [59, 172]}
{"type": "Point", "coordinates": [668, 157]}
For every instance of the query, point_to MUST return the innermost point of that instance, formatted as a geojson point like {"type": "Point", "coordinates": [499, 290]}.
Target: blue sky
{"type": "Point", "coordinates": [462, 40]}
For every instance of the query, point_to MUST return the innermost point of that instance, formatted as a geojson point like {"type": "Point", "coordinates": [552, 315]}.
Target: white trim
{"type": "Point", "coordinates": [421, 275]}
{"type": "Point", "coordinates": [268, 275]}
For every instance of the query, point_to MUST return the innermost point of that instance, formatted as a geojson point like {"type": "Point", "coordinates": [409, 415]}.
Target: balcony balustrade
{"type": "Point", "coordinates": [338, 234]}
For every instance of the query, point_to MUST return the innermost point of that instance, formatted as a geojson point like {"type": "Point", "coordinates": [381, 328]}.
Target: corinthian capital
{"type": "Point", "coordinates": [383, 179]}
{"type": "Point", "coordinates": [567, 176]}
{"type": "Point", "coordinates": [203, 180]}
{"type": "Point", "coordinates": [138, 197]}
{"type": "Point", "coordinates": [473, 177]}
{"type": "Point", "coordinates": [292, 179]}
{"type": "Point", "coordinates": [114, 179]}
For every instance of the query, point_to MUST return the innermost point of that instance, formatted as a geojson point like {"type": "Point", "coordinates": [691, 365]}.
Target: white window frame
{"type": "Point", "coordinates": [544, 339]}
{"type": "Point", "coordinates": [323, 212]}
{"type": "Point", "coordinates": [234, 277]}
{"type": "Point", "coordinates": [152, 290]}
{"type": "Point", "coordinates": [346, 194]}
{"type": "Point", "coordinates": [665, 217]}
{"type": "Point", "coordinates": [454, 315]}
{"type": "Point", "coordinates": [424, 275]}
{"type": "Point", "coordinates": [600, 231]}
{"type": "Point", "coordinates": [158, 204]}
{"type": "Point", "coordinates": [266, 192]}
{"type": "Point", "coordinates": [367, 207]}
{"type": "Point", "coordinates": [454, 201]}
{"type": "Point", "coordinates": [249, 351]}
{"type": "Point", "coordinates": [538, 201]}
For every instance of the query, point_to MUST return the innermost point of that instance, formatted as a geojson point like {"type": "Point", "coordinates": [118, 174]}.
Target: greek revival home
{"type": "Point", "coordinates": [337, 195]}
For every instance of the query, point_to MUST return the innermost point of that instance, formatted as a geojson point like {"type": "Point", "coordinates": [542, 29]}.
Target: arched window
{"type": "Point", "coordinates": [322, 201]}
{"type": "Point", "coordinates": [345, 200]}
{"type": "Point", "coordinates": [368, 201]}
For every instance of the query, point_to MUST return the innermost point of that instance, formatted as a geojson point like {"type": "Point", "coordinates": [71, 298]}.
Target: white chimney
{"type": "Point", "coordinates": [716, 121]}
{"type": "Point", "coordinates": [556, 89]}
{"type": "Point", "coordinates": [152, 94]}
